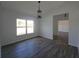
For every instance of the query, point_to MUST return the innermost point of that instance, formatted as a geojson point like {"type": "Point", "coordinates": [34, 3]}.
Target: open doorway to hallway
{"type": "Point", "coordinates": [61, 28]}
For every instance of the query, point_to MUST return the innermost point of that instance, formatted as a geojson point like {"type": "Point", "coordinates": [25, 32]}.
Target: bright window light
{"type": "Point", "coordinates": [30, 26]}
{"type": "Point", "coordinates": [21, 26]}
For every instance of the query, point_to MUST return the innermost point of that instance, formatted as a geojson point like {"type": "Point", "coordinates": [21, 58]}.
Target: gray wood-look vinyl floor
{"type": "Point", "coordinates": [39, 48]}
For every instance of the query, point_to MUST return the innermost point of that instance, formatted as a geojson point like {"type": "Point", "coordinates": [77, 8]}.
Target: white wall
{"type": "Point", "coordinates": [0, 29]}
{"type": "Point", "coordinates": [46, 27]}
{"type": "Point", "coordinates": [69, 7]}
{"type": "Point", "coordinates": [9, 26]}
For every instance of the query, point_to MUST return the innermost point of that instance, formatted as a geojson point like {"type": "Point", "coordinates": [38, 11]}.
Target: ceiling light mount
{"type": "Point", "coordinates": [38, 1]}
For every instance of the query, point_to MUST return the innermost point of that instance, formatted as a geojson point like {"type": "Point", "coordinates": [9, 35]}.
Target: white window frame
{"type": "Point", "coordinates": [21, 27]}
{"type": "Point", "coordinates": [32, 25]}
{"type": "Point", "coordinates": [26, 31]}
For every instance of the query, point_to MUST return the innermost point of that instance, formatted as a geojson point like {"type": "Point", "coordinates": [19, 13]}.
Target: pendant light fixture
{"type": "Point", "coordinates": [39, 11]}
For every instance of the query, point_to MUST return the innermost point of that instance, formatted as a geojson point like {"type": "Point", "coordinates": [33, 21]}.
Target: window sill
{"type": "Point", "coordinates": [20, 35]}
{"type": "Point", "coordinates": [29, 33]}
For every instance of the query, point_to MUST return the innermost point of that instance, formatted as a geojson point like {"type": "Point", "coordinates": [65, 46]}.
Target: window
{"type": "Point", "coordinates": [30, 26]}
{"type": "Point", "coordinates": [21, 26]}
{"type": "Point", "coordinates": [63, 25]}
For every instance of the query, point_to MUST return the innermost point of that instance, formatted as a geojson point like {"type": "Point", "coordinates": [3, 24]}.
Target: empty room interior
{"type": "Point", "coordinates": [39, 29]}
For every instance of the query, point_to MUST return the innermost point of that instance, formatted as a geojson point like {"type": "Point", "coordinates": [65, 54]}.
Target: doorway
{"type": "Point", "coordinates": [61, 28]}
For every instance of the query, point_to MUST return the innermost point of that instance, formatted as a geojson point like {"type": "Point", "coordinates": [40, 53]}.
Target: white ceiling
{"type": "Point", "coordinates": [30, 7]}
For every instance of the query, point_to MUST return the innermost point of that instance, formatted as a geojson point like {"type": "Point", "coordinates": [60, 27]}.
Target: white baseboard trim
{"type": "Point", "coordinates": [13, 42]}
{"type": "Point", "coordinates": [45, 38]}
